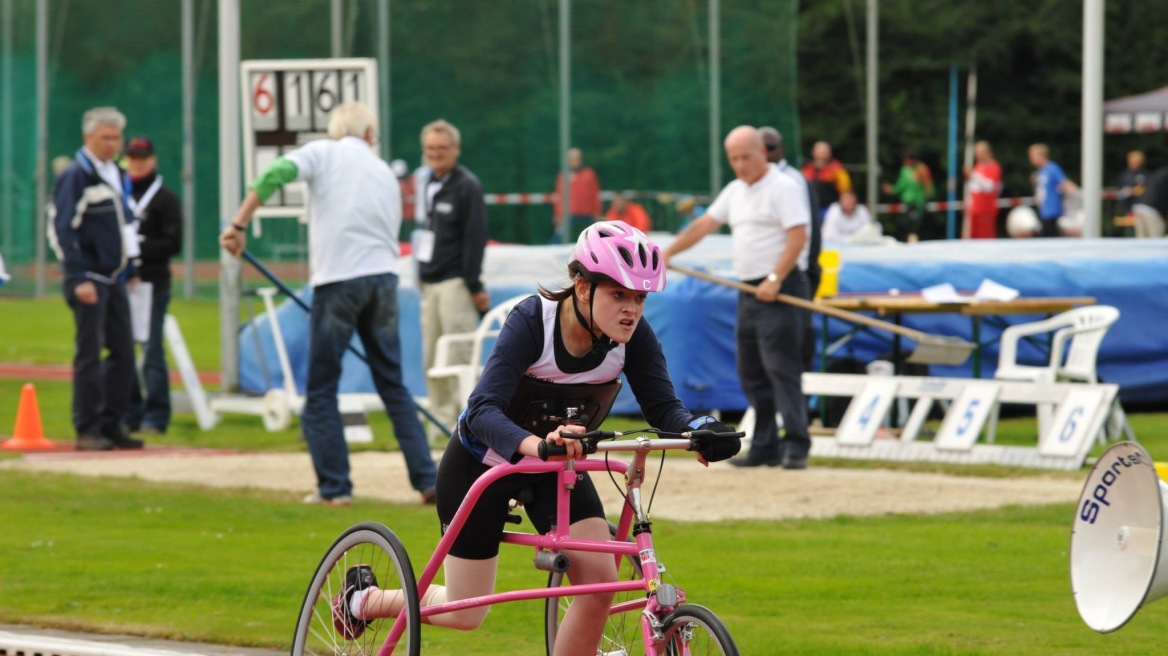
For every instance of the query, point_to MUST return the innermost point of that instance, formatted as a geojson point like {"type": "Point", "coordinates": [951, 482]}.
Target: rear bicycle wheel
{"type": "Point", "coordinates": [370, 544]}
{"type": "Point", "coordinates": [692, 630]}
{"type": "Point", "coordinates": [622, 632]}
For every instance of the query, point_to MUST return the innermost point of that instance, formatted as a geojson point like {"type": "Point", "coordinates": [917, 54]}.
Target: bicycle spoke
{"type": "Point", "coordinates": [374, 546]}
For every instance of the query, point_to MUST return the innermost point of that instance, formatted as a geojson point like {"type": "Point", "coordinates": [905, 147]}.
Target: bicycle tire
{"type": "Point", "coordinates": [372, 544]}
{"type": "Point", "coordinates": [621, 631]}
{"type": "Point", "coordinates": [692, 630]}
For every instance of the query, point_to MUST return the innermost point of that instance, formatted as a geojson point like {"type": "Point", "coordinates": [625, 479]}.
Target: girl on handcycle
{"type": "Point", "coordinates": [586, 333]}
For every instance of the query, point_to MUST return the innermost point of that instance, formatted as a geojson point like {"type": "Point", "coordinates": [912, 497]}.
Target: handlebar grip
{"type": "Point", "coordinates": [548, 449]}
{"type": "Point", "coordinates": [715, 446]}
{"type": "Point", "coordinates": [587, 441]}
{"type": "Point", "coordinates": [593, 436]}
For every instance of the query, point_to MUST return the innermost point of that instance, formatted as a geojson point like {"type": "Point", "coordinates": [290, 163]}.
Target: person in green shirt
{"type": "Point", "coordinates": [914, 186]}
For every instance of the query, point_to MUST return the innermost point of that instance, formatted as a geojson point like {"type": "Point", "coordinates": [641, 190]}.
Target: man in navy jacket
{"type": "Point", "coordinates": [94, 235]}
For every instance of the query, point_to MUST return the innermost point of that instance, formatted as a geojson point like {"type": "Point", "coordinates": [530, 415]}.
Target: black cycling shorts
{"type": "Point", "coordinates": [480, 536]}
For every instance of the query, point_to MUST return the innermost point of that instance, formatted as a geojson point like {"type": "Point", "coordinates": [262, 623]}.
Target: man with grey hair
{"type": "Point", "coordinates": [449, 242]}
{"type": "Point", "coordinates": [93, 233]}
{"type": "Point", "coordinates": [353, 255]}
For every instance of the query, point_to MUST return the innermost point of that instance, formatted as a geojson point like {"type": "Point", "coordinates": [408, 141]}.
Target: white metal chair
{"type": "Point", "coordinates": [1077, 335]}
{"type": "Point", "coordinates": [460, 355]}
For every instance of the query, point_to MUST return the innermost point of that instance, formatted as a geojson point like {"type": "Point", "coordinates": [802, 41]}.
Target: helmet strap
{"type": "Point", "coordinates": [601, 344]}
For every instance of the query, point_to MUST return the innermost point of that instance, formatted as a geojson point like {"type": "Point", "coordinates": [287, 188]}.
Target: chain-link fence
{"type": "Point", "coordinates": [640, 94]}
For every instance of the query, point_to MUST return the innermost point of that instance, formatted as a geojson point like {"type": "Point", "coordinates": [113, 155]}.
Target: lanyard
{"type": "Point", "coordinates": [139, 206]}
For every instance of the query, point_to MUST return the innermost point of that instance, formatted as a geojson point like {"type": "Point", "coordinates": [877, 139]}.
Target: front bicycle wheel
{"type": "Point", "coordinates": [692, 630]}
{"type": "Point", "coordinates": [373, 545]}
{"type": "Point", "coordinates": [622, 632]}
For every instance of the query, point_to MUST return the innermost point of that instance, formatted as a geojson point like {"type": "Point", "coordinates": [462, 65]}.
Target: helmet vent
{"type": "Point", "coordinates": [625, 255]}
{"type": "Point", "coordinates": [656, 261]}
{"type": "Point", "coordinates": [643, 255]}
{"type": "Point", "coordinates": [594, 258]}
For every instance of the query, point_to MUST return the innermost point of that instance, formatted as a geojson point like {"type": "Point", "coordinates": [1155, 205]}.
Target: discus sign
{"type": "Point", "coordinates": [286, 104]}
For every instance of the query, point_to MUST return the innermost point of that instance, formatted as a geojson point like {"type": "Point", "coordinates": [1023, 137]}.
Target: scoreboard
{"type": "Point", "coordinates": [286, 104]}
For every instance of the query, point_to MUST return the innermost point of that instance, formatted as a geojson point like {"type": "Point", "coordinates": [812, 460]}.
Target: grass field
{"type": "Point", "coordinates": [230, 566]}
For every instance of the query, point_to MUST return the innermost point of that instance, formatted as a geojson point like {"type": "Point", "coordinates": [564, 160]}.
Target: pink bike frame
{"type": "Point", "coordinates": [642, 548]}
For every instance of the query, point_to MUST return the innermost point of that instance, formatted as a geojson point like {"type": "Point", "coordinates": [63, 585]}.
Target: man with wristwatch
{"type": "Point", "coordinates": [768, 223]}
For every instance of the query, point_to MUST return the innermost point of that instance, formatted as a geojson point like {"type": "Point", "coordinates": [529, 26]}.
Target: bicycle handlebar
{"type": "Point", "coordinates": [690, 441]}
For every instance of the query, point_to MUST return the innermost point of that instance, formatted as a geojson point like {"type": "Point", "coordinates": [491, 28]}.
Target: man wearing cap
{"type": "Point", "coordinates": [160, 222]}
{"type": "Point", "coordinates": [92, 232]}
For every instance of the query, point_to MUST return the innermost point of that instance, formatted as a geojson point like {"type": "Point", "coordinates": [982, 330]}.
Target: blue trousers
{"type": "Point", "coordinates": [367, 306]}
{"type": "Point", "coordinates": [152, 410]}
{"type": "Point", "coordinates": [770, 367]}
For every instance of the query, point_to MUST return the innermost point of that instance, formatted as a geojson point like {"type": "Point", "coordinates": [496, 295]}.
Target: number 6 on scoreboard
{"type": "Point", "coordinates": [326, 94]}
{"type": "Point", "coordinates": [264, 114]}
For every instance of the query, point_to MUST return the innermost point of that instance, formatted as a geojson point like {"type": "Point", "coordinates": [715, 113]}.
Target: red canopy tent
{"type": "Point", "coordinates": [1145, 112]}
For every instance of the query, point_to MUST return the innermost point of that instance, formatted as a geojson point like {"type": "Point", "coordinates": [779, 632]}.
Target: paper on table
{"type": "Point", "coordinates": [943, 293]}
{"type": "Point", "coordinates": [989, 290]}
{"type": "Point", "coordinates": [141, 300]}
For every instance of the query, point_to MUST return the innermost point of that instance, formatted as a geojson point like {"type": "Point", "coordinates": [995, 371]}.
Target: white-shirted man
{"type": "Point", "coordinates": [846, 218]}
{"type": "Point", "coordinates": [353, 222]}
{"type": "Point", "coordinates": [768, 221]}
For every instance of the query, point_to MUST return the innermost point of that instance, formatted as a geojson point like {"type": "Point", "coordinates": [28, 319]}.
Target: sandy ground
{"type": "Point", "coordinates": [687, 490]}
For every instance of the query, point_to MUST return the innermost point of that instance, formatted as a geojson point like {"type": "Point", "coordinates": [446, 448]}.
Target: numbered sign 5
{"type": "Point", "coordinates": [966, 416]}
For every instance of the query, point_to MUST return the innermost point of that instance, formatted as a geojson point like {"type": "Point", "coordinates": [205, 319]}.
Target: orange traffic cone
{"type": "Point", "coordinates": [28, 433]}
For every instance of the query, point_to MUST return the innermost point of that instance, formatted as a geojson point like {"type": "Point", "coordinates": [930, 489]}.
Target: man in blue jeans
{"type": "Point", "coordinates": [353, 255]}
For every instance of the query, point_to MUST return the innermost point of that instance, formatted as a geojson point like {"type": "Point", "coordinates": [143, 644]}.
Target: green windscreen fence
{"type": "Point", "coordinates": [640, 94]}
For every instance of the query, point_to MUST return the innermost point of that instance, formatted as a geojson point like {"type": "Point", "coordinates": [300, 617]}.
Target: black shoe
{"type": "Point", "coordinates": [747, 461]}
{"type": "Point", "coordinates": [94, 443]}
{"type": "Point", "coordinates": [795, 462]}
{"type": "Point", "coordinates": [357, 578]}
{"type": "Point", "coordinates": [121, 439]}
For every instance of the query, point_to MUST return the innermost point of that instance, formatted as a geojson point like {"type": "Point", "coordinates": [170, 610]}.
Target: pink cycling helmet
{"type": "Point", "coordinates": [617, 250]}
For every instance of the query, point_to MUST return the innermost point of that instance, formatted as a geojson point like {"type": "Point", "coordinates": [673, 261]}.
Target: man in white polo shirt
{"type": "Point", "coordinates": [354, 218]}
{"type": "Point", "coordinates": [767, 215]}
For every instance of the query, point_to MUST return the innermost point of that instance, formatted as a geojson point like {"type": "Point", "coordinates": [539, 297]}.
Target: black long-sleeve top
{"type": "Point", "coordinates": [458, 217]}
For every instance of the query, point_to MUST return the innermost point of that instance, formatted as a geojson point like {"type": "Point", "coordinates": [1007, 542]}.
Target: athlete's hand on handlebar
{"type": "Point", "coordinates": [559, 447]}
{"type": "Point", "coordinates": [714, 440]}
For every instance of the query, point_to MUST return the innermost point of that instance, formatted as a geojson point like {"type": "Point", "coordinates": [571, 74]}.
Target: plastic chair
{"type": "Point", "coordinates": [451, 359]}
{"type": "Point", "coordinates": [1077, 335]}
